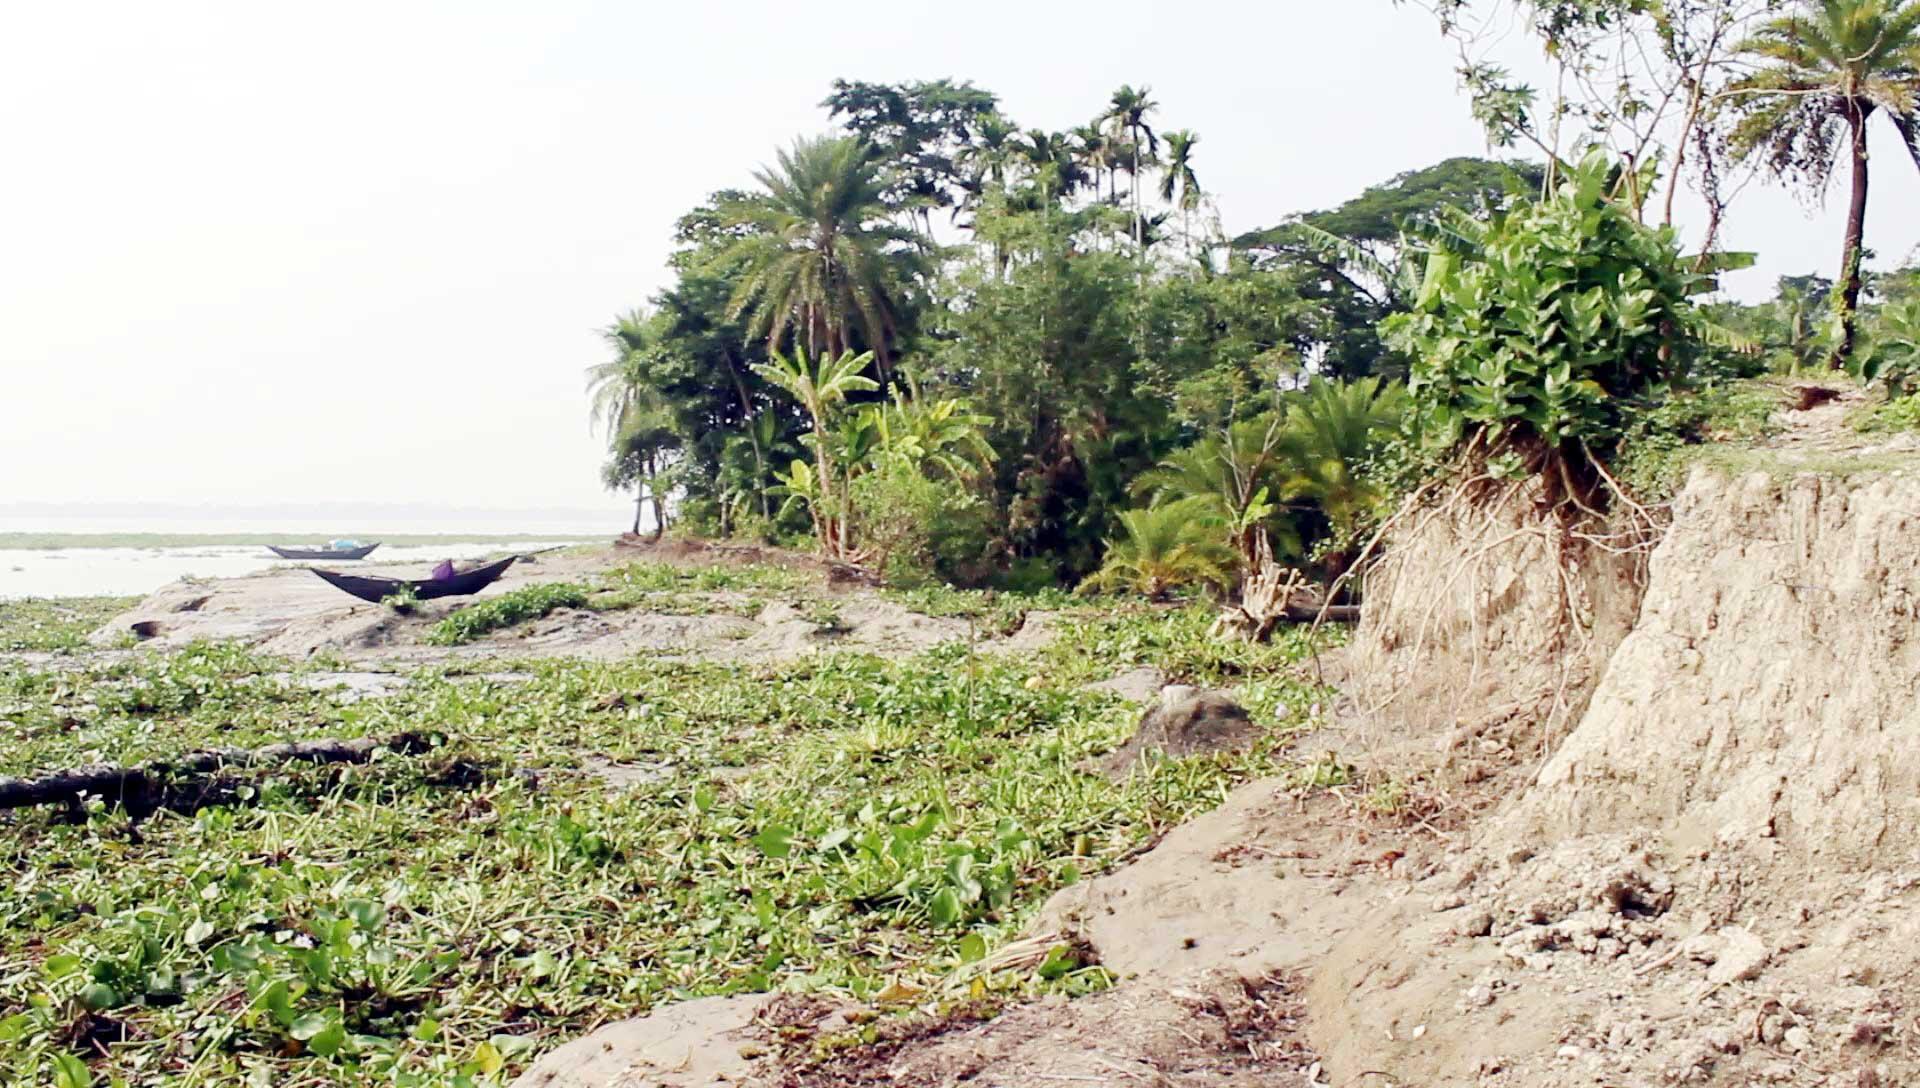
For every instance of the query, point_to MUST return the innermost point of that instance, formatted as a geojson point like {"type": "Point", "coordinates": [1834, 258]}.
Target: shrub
{"type": "Point", "coordinates": [1538, 330]}
{"type": "Point", "coordinates": [913, 527]}
{"type": "Point", "coordinates": [1167, 547]}
{"type": "Point", "coordinates": [1662, 441]}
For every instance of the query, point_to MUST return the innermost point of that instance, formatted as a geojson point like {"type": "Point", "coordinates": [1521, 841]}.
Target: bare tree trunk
{"type": "Point", "coordinates": [753, 434]}
{"type": "Point", "coordinates": [1850, 258]}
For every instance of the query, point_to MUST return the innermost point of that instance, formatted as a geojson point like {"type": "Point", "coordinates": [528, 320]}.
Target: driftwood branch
{"type": "Point", "coordinates": [146, 787]}
{"type": "Point", "coordinates": [1274, 593]}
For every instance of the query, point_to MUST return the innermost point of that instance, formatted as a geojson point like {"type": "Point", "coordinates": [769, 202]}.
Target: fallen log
{"type": "Point", "coordinates": [144, 788]}
{"type": "Point", "coordinates": [1336, 613]}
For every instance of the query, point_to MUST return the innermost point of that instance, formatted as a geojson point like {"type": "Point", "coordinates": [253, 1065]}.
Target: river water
{"type": "Point", "coordinates": [126, 572]}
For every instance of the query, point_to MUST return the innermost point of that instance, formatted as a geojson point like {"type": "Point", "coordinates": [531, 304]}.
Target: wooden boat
{"type": "Point", "coordinates": [325, 553]}
{"type": "Point", "coordinates": [375, 590]}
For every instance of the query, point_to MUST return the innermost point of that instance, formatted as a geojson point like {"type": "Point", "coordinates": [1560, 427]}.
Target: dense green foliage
{"type": "Point", "coordinates": [1091, 322]}
{"type": "Point", "coordinates": [1087, 311]}
{"type": "Point", "coordinates": [844, 822]}
{"type": "Point", "coordinates": [1550, 325]}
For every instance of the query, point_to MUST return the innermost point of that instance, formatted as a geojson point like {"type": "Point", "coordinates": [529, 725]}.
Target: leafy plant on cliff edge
{"type": "Point", "coordinates": [1535, 333]}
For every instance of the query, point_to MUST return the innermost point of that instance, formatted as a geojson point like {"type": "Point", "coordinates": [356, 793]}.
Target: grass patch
{"type": "Point", "coordinates": [57, 625]}
{"type": "Point", "coordinates": [1665, 441]}
{"type": "Point", "coordinates": [839, 823]}
{"type": "Point", "coordinates": [655, 587]}
{"type": "Point", "coordinates": [1782, 465]}
{"type": "Point", "coordinates": [516, 606]}
{"type": "Point", "coordinates": [1890, 416]}
{"type": "Point", "coordinates": [649, 577]}
{"type": "Point", "coordinates": [993, 613]}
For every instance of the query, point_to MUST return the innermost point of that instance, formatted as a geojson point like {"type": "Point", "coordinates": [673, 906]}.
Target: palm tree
{"type": "Point", "coordinates": [820, 388]}
{"type": "Point", "coordinates": [991, 157]}
{"type": "Point", "coordinates": [1164, 548]}
{"type": "Point", "coordinates": [1051, 157]}
{"type": "Point", "coordinates": [1180, 175]}
{"type": "Point", "coordinates": [1127, 113]}
{"type": "Point", "coordinates": [635, 417]}
{"type": "Point", "coordinates": [820, 252]}
{"type": "Point", "coordinates": [1332, 430]}
{"type": "Point", "coordinates": [1827, 68]}
{"type": "Point", "coordinates": [1100, 155]}
{"type": "Point", "coordinates": [1236, 475]}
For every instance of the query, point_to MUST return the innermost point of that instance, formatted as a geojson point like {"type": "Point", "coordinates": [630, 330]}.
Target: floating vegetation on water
{"type": "Point", "coordinates": [838, 823]}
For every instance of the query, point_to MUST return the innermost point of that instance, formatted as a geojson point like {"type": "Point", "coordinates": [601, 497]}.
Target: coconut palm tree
{"type": "Point", "coordinates": [1825, 69]}
{"type": "Point", "coordinates": [820, 252]}
{"type": "Point", "coordinates": [1127, 113]}
{"type": "Point", "coordinates": [821, 388]}
{"type": "Point", "coordinates": [1179, 175]}
{"type": "Point", "coordinates": [635, 417]}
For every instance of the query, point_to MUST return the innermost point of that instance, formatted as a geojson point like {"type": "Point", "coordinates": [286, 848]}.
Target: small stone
{"type": "Point", "coordinates": [1741, 957]}
{"type": "Point", "coordinates": [1420, 1031]}
{"type": "Point", "coordinates": [1569, 1052]}
{"type": "Point", "coordinates": [1479, 923]}
{"type": "Point", "coordinates": [1797, 1039]}
{"type": "Point", "coordinates": [1448, 902]}
{"type": "Point", "coordinates": [1478, 997]}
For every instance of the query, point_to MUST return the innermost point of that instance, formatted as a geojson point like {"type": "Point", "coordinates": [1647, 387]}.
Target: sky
{"type": "Point", "coordinates": [286, 254]}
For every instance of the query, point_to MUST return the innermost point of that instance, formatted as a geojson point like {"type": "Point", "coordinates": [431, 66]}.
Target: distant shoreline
{"type": "Point", "coordinates": [68, 541]}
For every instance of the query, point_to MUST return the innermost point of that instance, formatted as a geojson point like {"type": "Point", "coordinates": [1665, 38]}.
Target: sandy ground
{"type": "Point", "coordinates": [292, 613]}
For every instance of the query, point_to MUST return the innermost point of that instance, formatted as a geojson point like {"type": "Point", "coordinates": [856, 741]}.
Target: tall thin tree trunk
{"type": "Point", "coordinates": [1139, 236]}
{"type": "Point", "coordinates": [829, 532]}
{"type": "Point", "coordinates": [1850, 258]}
{"type": "Point", "coordinates": [639, 504]}
{"type": "Point", "coordinates": [753, 433]}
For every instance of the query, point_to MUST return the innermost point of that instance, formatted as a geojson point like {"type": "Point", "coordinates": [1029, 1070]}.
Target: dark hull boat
{"type": "Point", "coordinates": [375, 590]}
{"type": "Point", "coordinates": [324, 553]}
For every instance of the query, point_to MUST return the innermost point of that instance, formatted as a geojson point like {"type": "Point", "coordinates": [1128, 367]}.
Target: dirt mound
{"type": "Point", "coordinates": [1716, 876]}
{"type": "Point", "coordinates": [1229, 1033]}
{"type": "Point", "coordinates": [1767, 698]}
{"type": "Point", "coordinates": [690, 1045]}
{"type": "Point", "coordinates": [1488, 621]}
{"type": "Point", "coordinates": [1186, 722]}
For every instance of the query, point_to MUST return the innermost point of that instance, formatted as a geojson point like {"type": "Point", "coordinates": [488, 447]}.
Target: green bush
{"type": "Point", "coordinates": [506, 610]}
{"type": "Point", "coordinates": [1541, 328]}
{"type": "Point", "coordinates": [914, 527]}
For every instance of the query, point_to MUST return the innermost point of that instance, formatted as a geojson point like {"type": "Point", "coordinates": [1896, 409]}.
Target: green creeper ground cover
{"type": "Point", "coordinates": [37, 624]}
{"type": "Point", "coordinates": [841, 823]}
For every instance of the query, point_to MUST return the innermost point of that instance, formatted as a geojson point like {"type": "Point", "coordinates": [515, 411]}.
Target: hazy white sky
{"type": "Point", "coordinates": [358, 251]}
